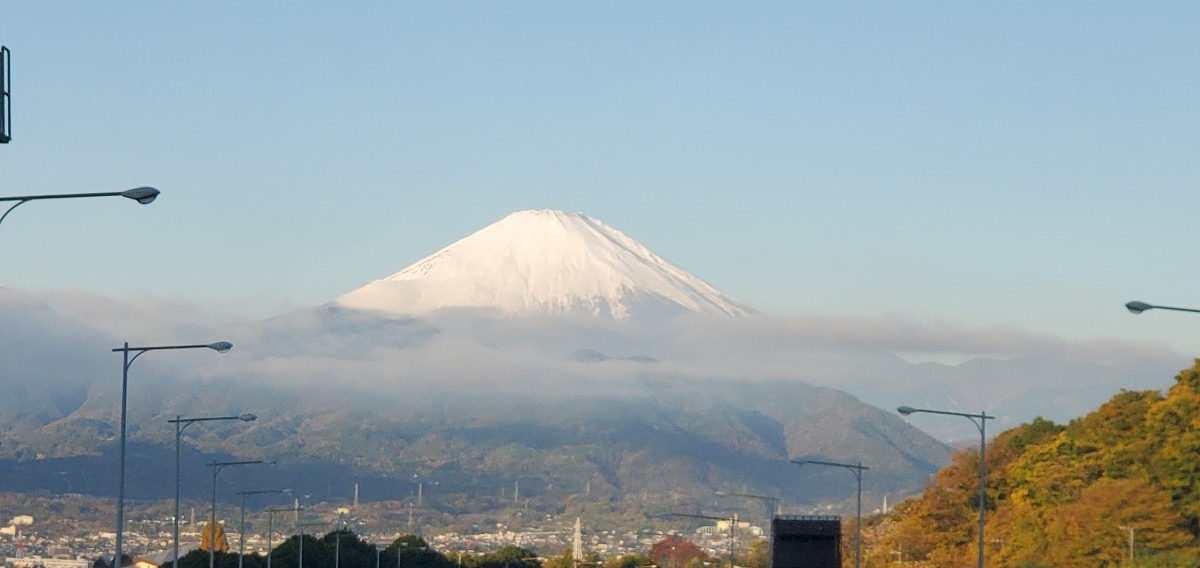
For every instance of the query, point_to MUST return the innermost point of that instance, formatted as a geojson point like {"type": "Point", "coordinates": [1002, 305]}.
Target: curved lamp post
{"type": "Point", "coordinates": [857, 470]}
{"type": "Point", "coordinates": [302, 526]}
{"type": "Point", "coordinates": [980, 422]}
{"type": "Point", "coordinates": [242, 525]}
{"type": "Point", "coordinates": [1139, 307]}
{"type": "Point", "coordinates": [337, 551]}
{"type": "Point", "coordinates": [772, 510]}
{"type": "Point", "coordinates": [212, 515]}
{"type": "Point", "coordinates": [219, 347]}
{"type": "Point", "coordinates": [143, 195]}
{"type": "Point", "coordinates": [181, 424]}
{"type": "Point", "coordinates": [271, 528]}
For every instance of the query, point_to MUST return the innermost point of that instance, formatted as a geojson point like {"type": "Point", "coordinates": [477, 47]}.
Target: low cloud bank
{"type": "Point", "coordinates": [58, 346]}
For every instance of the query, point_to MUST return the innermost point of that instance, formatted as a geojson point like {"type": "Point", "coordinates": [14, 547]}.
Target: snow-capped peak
{"type": "Point", "coordinates": [545, 261]}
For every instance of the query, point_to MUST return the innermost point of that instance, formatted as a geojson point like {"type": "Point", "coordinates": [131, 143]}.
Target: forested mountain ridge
{"type": "Point", "coordinates": [640, 454]}
{"type": "Point", "coordinates": [1060, 496]}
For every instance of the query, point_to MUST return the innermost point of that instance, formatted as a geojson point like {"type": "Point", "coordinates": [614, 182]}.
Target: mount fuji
{"type": "Point", "coordinates": [545, 262]}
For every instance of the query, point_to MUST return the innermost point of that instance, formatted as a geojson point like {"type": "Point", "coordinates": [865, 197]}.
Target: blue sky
{"type": "Point", "coordinates": [1027, 165]}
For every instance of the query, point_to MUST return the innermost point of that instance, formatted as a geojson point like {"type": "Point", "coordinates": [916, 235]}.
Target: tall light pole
{"type": "Point", "coordinates": [271, 529]}
{"type": "Point", "coordinates": [1139, 307]}
{"type": "Point", "coordinates": [980, 422]}
{"type": "Point", "coordinates": [219, 347]}
{"type": "Point", "coordinates": [242, 524]}
{"type": "Point", "coordinates": [857, 470]}
{"type": "Point", "coordinates": [772, 510]}
{"type": "Point", "coordinates": [182, 424]}
{"type": "Point", "coordinates": [143, 195]}
{"type": "Point", "coordinates": [300, 560]}
{"type": "Point", "coordinates": [212, 515]}
{"type": "Point", "coordinates": [337, 550]}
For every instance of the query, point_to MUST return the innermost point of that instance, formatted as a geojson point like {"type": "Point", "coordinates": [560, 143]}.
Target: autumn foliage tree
{"type": "Point", "coordinates": [675, 552]}
{"type": "Point", "coordinates": [1066, 496]}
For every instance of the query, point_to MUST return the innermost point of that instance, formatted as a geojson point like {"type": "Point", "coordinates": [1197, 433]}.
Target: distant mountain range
{"type": "Point", "coordinates": [548, 352]}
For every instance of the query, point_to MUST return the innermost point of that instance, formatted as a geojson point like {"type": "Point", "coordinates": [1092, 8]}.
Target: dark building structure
{"type": "Point", "coordinates": [806, 542]}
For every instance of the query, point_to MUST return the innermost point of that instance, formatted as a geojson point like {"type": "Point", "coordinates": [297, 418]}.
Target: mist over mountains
{"type": "Point", "coordinates": [547, 349]}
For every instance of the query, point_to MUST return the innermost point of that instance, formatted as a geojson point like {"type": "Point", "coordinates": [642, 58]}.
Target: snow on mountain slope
{"type": "Point", "coordinates": [545, 262]}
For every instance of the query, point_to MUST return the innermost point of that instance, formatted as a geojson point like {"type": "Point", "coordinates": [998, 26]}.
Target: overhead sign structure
{"type": "Point", "coordinates": [5, 95]}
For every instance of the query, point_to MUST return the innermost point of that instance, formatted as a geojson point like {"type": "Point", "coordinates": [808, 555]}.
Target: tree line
{"type": "Point", "coordinates": [1117, 487]}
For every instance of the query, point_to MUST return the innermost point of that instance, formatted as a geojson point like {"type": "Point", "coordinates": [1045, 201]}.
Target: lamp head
{"type": "Point", "coordinates": [906, 410]}
{"type": "Point", "coordinates": [221, 346]}
{"type": "Point", "coordinates": [143, 195]}
{"type": "Point", "coordinates": [247, 418]}
{"type": "Point", "coordinates": [1138, 307]}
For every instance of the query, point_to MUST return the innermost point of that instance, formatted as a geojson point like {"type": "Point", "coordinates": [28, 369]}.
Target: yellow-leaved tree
{"type": "Point", "coordinates": [214, 532]}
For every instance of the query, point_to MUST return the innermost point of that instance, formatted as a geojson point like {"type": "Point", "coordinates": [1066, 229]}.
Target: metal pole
{"type": "Point", "coordinates": [270, 533]}
{"type": "Point", "coordinates": [178, 435]}
{"type": "Point", "coordinates": [212, 522]}
{"type": "Point", "coordinates": [117, 563]}
{"type": "Point", "coordinates": [981, 425]}
{"type": "Point", "coordinates": [982, 482]}
{"type": "Point", "coordinates": [857, 471]}
{"type": "Point", "coordinates": [858, 519]}
{"type": "Point", "coordinates": [143, 195]}
{"type": "Point", "coordinates": [732, 527]}
{"type": "Point", "coordinates": [212, 526]}
{"type": "Point", "coordinates": [771, 503]}
{"type": "Point", "coordinates": [182, 424]}
{"type": "Point", "coordinates": [271, 530]}
{"type": "Point", "coordinates": [242, 533]}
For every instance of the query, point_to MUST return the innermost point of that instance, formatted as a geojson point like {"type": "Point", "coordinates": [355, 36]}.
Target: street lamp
{"type": "Point", "coordinates": [1139, 307]}
{"type": "Point", "coordinates": [212, 515]}
{"type": "Point", "coordinates": [772, 510]}
{"type": "Point", "coordinates": [300, 560]}
{"type": "Point", "coordinates": [181, 424]}
{"type": "Point", "coordinates": [337, 551]}
{"type": "Point", "coordinates": [271, 528]}
{"type": "Point", "coordinates": [219, 347]}
{"type": "Point", "coordinates": [980, 422]}
{"type": "Point", "coordinates": [143, 195]}
{"type": "Point", "coordinates": [857, 470]}
{"type": "Point", "coordinates": [242, 525]}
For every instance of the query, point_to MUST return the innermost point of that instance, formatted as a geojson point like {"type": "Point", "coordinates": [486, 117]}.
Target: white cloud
{"type": "Point", "coordinates": [64, 341]}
